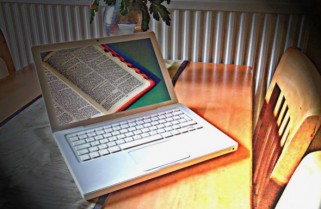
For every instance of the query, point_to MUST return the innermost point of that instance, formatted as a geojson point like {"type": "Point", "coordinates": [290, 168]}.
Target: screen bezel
{"type": "Point", "coordinates": [55, 126]}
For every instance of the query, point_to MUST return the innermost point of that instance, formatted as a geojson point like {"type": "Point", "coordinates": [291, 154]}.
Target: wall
{"type": "Point", "coordinates": [314, 46]}
{"type": "Point", "coordinates": [248, 32]}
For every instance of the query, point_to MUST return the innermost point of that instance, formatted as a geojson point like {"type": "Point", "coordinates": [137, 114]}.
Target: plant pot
{"type": "Point", "coordinates": [116, 24]}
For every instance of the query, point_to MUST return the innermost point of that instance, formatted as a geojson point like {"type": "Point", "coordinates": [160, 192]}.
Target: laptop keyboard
{"type": "Point", "coordinates": [102, 141]}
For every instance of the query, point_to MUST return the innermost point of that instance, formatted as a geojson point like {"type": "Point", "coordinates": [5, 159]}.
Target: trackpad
{"type": "Point", "coordinates": [158, 155]}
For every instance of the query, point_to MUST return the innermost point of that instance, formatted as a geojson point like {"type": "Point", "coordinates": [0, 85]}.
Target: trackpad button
{"type": "Point", "coordinates": [158, 155]}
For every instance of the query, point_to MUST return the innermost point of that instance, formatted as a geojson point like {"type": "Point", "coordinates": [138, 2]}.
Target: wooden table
{"type": "Point", "coordinates": [222, 94]}
{"type": "Point", "coordinates": [18, 91]}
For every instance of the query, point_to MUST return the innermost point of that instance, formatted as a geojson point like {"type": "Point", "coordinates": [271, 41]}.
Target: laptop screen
{"type": "Point", "coordinates": [99, 79]}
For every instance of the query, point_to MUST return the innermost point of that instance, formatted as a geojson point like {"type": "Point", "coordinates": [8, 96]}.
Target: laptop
{"type": "Point", "coordinates": [114, 114]}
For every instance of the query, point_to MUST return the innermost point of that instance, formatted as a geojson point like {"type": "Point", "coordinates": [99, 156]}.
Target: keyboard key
{"type": "Point", "coordinates": [83, 151]}
{"type": "Point", "coordinates": [137, 132]}
{"type": "Point", "coordinates": [103, 152]}
{"type": "Point", "coordinates": [114, 149]}
{"type": "Point", "coordinates": [139, 127]}
{"type": "Point", "coordinates": [93, 149]}
{"type": "Point", "coordinates": [176, 126]}
{"type": "Point", "coordinates": [161, 130]}
{"type": "Point", "coordinates": [140, 122]}
{"type": "Point", "coordinates": [129, 134]}
{"type": "Point", "coordinates": [166, 134]}
{"type": "Point", "coordinates": [115, 133]}
{"type": "Point", "coordinates": [123, 126]}
{"type": "Point", "coordinates": [130, 129]}
{"type": "Point", "coordinates": [186, 118]}
{"type": "Point", "coordinates": [94, 154]}
{"type": "Point", "coordinates": [123, 131]}
{"type": "Point", "coordinates": [154, 119]}
{"type": "Point", "coordinates": [91, 133]}
{"type": "Point", "coordinates": [113, 138]}
{"type": "Point", "coordinates": [162, 121]}
{"type": "Point", "coordinates": [129, 139]}
{"type": "Point", "coordinates": [147, 120]}
{"type": "Point", "coordinates": [136, 137]}
{"type": "Point", "coordinates": [106, 135]}
{"type": "Point", "coordinates": [187, 128]}
{"type": "Point", "coordinates": [103, 141]}
{"type": "Point", "coordinates": [108, 130]}
{"type": "Point", "coordinates": [167, 124]}
{"type": "Point", "coordinates": [116, 128]}
{"type": "Point", "coordinates": [120, 141]}
{"type": "Point", "coordinates": [121, 136]}
{"type": "Point", "coordinates": [94, 143]}
{"type": "Point", "coordinates": [82, 136]}
{"type": "Point", "coordinates": [188, 123]}
{"type": "Point", "coordinates": [154, 123]}
{"type": "Point", "coordinates": [102, 146]}
{"type": "Point", "coordinates": [147, 125]}
{"type": "Point", "coordinates": [175, 122]}
{"type": "Point", "coordinates": [182, 120]}
{"type": "Point", "coordinates": [169, 128]}
{"type": "Point", "coordinates": [144, 130]}
{"type": "Point", "coordinates": [98, 137]}
{"type": "Point", "coordinates": [144, 135]}
{"type": "Point", "coordinates": [72, 138]}
{"type": "Point", "coordinates": [140, 141]}
{"type": "Point", "coordinates": [152, 132]}
{"type": "Point", "coordinates": [76, 143]}
{"type": "Point", "coordinates": [90, 139]}
{"type": "Point", "coordinates": [168, 115]}
{"type": "Point", "coordinates": [111, 144]}
{"type": "Point", "coordinates": [84, 157]}
{"type": "Point", "coordinates": [160, 126]}
{"type": "Point", "coordinates": [153, 128]}
{"type": "Point", "coordinates": [82, 146]}
{"type": "Point", "coordinates": [131, 124]}
{"type": "Point", "coordinates": [100, 132]}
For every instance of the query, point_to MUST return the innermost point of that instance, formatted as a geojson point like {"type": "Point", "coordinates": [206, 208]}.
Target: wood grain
{"type": "Point", "coordinates": [17, 91]}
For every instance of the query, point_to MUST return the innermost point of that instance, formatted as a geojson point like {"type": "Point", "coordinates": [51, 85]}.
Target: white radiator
{"type": "Point", "coordinates": [230, 37]}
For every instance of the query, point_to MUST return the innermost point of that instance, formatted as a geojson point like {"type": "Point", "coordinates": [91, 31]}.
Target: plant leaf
{"type": "Point", "coordinates": [93, 9]}
{"type": "Point", "coordinates": [124, 7]}
{"type": "Point", "coordinates": [145, 15]}
{"type": "Point", "coordinates": [158, 10]}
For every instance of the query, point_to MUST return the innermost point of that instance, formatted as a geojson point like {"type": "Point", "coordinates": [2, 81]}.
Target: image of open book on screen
{"type": "Point", "coordinates": [91, 81]}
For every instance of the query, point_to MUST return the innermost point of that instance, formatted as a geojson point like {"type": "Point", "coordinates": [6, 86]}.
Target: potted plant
{"type": "Point", "coordinates": [145, 7]}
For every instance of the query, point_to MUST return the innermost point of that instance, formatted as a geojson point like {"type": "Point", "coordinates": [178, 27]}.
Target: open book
{"type": "Point", "coordinates": [91, 81]}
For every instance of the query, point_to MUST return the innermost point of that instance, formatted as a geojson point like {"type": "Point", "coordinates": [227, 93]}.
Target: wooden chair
{"type": "Point", "coordinates": [288, 122]}
{"type": "Point", "coordinates": [6, 63]}
{"type": "Point", "coordinates": [175, 68]}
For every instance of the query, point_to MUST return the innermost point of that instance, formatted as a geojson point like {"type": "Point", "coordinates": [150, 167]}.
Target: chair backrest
{"type": "Point", "coordinates": [288, 122]}
{"type": "Point", "coordinates": [7, 67]}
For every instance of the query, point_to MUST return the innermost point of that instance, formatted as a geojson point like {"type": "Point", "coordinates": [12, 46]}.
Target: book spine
{"type": "Point", "coordinates": [152, 83]}
{"type": "Point", "coordinates": [130, 65]}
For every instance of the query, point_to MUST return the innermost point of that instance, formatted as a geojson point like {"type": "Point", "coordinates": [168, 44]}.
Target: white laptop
{"type": "Point", "coordinates": [115, 116]}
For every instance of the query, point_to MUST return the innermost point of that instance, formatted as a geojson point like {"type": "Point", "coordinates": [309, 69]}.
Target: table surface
{"type": "Point", "coordinates": [18, 91]}
{"type": "Point", "coordinates": [222, 94]}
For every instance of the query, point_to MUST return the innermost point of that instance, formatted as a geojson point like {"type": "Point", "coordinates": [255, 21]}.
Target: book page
{"type": "Point", "coordinates": [69, 106]}
{"type": "Point", "coordinates": [104, 81]}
